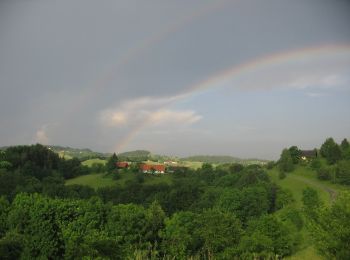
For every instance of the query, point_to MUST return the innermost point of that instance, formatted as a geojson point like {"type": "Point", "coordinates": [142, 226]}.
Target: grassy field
{"type": "Point", "coordinates": [92, 161]}
{"type": "Point", "coordinates": [103, 180]}
{"type": "Point", "coordinates": [303, 177]}
{"type": "Point", "coordinates": [65, 156]}
{"type": "Point", "coordinates": [296, 181]}
{"type": "Point", "coordinates": [189, 164]}
{"type": "Point", "coordinates": [93, 180]}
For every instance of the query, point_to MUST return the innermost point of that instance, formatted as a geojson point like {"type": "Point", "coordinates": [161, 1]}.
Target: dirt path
{"type": "Point", "coordinates": [332, 193]}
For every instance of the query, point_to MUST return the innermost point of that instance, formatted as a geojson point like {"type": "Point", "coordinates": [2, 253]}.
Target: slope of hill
{"type": "Point", "coordinates": [218, 159]}
{"type": "Point", "coordinates": [137, 155]}
{"type": "Point", "coordinates": [82, 154]}
{"type": "Point", "coordinates": [303, 177]}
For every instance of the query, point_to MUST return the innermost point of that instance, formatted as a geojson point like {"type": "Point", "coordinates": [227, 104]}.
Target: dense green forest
{"type": "Point", "coordinates": [224, 212]}
{"type": "Point", "coordinates": [138, 155]}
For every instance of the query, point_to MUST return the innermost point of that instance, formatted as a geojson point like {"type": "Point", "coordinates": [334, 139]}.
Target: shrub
{"type": "Point", "coordinates": [325, 173]}
{"type": "Point", "coordinates": [282, 175]}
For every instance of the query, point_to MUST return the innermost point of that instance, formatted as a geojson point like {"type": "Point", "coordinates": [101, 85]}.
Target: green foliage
{"type": "Point", "coordinates": [315, 164]}
{"type": "Point", "coordinates": [285, 163]}
{"type": "Point", "coordinates": [325, 173]}
{"type": "Point", "coordinates": [295, 153]}
{"type": "Point", "coordinates": [284, 198]}
{"type": "Point", "coordinates": [236, 167]}
{"type": "Point", "coordinates": [226, 212]}
{"type": "Point", "coordinates": [342, 172]}
{"type": "Point", "coordinates": [135, 156]}
{"type": "Point", "coordinates": [4, 208]}
{"type": "Point", "coordinates": [311, 202]}
{"type": "Point", "coordinates": [270, 165]}
{"type": "Point", "coordinates": [218, 159]}
{"type": "Point", "coordinates": [268, 235]}
{"type": "Point", "coordinates": [331, 231]}
{"type": "Point", "coordinates": [11, 246]}
{"type": "Point", "coordinates": [5, 165]}
{"type": "Point", "coordinates": [111, 163]}
{"type": "Point", "coordinates": [331, 151]}
{"type": "Point", "coordinates": [81, 154]}
{"type": "Point", "coordinates": [344, 144]}
{"type": "Point", "coordinates": [178, 237]}
{"type": "Point", "coordinates": [34, 217]}
{"type": "Point", "coordinates": [218, 231]}
{"type": "Point", "coordinates": [282, 175]}
{"type": "Point", "coordinates": [292, 215]}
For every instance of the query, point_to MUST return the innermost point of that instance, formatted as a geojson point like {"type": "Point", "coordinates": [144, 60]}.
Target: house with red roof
{"type": "Point", "coordinates": [122, 165]}
{"type": "Point", "coordinates": [152, 168]}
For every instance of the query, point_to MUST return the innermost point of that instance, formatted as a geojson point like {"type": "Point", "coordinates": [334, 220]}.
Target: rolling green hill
{"type": "Point", "coordinates": [90, 162]}
{"type": "Point", "coordinates": [219, 159]}
{"type": "Point", "coordinates": [137, 155]}
{"type": "Point", "coordinates": [296, 181]}
{"type": "Point", "coordinates": [104, 180]}
{"type": "Point", "coordinates": [303, 177]}
{"type": "Point", "coordinates": [69, 152]}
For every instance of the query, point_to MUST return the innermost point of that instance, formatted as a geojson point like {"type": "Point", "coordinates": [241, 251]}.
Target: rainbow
{"type": "Point", "coordinates": [141, 48]}
{"type": "Point", "coordinates": [274, 59]}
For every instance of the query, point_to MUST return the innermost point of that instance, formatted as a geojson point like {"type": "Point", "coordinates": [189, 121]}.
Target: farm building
{"type": "Point", "coordinates": [308, 154]}
{"type": "Point", "coordinates": [122, 165]}
{"type": "Point", "coordinates": [152, 168]}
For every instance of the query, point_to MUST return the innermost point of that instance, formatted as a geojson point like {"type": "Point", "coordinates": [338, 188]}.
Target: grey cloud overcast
{"type": "Point", "coordinates": [63, 63]}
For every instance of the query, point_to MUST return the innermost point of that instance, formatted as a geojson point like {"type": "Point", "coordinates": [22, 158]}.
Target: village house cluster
{"type": "Point", "coordinates": [167, 167]}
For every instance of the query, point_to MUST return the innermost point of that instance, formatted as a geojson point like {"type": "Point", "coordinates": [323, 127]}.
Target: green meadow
{"type": "Point", "coordinates": [98, 180]}
{"type": "Point", "coordinates": [90, 162]}
{"type": "Point", "coordinates": [303, 177]}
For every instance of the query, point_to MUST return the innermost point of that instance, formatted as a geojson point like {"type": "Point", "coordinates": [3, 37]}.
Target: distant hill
{"type": "Point", "coordinates": [82, 154]}
{"type": "Point", "coordinates": [144, 155]}
{"type": "Point", "coordinates": [138, 155]}
{"type": "Point", "coordinates": [218, 159]}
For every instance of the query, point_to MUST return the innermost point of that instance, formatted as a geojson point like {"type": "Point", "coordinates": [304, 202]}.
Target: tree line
{"type": "Point", "coordinates": [227, 212]}
{"type": "Point", "coordinates": [332, 162]}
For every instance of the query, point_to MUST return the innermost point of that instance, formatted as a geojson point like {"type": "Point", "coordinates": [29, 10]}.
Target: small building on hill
{"type": "Point", "coordinates": [122, 165]}
{"type": "Point", "coordinates": [308, 154]}
{"type": "Point", "coordinates": [152, 168]}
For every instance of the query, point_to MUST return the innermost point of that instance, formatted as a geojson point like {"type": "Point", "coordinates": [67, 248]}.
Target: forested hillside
{"type": "Point", "coordinates": [224, 212]}
{"type": "Point", "coordinates": [82, 154]}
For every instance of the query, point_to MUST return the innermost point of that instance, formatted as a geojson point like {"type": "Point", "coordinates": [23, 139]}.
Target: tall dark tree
{"type": "Point", "coordinates": [111, 164]}
{"type": "Point", "coordinates": [344, 144]}
{"type": "Point", "coordinates": [295, 153]}
{"type": "Point", "coordinates": [345, 149]}
{"type": "Point", "coordinates": [286, 161]}
{"type": "Point", "coordinates": [331, 151]}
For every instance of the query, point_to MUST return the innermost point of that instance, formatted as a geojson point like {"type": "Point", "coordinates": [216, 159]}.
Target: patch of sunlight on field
{"type": "Point", "coordinates": [94, 180]}
{"type": "Point", "coordinates": [296, 182]}
{"type": "Point", "coordinates": [308, 253]}
{"type": "Point", "coordinates": [103, 180]}
{"type": "Point", "coordinates": [65, 156]}
{"type": "Point", "coordinates": [192, 165]}
{"type": "Point", "coordinates": [90, 162]}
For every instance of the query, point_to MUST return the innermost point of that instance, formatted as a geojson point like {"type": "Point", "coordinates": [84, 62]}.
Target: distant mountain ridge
{"type": "Point", "coordinates": [144, 155]}
{"type": "Point", "coordinates": [218, 159]}
{"type": "Point", "coordinates": [80, 153]}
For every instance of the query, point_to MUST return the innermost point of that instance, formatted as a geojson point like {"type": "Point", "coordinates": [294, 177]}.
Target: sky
{"type": "Point", "coordinates": [243, 78]}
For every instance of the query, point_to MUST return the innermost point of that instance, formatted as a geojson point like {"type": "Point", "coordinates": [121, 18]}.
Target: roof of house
{"type": "Point", "coordinates": [150, 167]}
{"type": "Point", "coordinates": [308, 153]}
{"type": "Point", "coordinates": [122, 164]}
